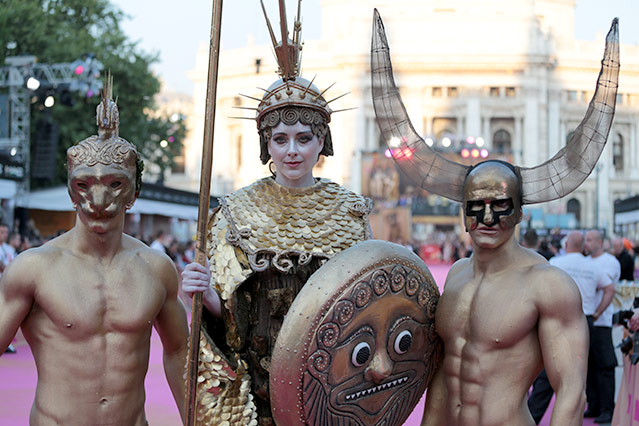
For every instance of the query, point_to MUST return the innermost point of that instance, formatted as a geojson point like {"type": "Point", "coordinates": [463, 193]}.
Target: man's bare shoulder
{"type": "Point", "coordinates": [553, 286]}
{"type": "Point", "coordinates": [458, 270]}
{"type": "Point", "coordinates": [154, 260]}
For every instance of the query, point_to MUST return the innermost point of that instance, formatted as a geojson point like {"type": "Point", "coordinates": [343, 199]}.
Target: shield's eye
{"type": "Point", "coordinates": [361, 353]}
{"type": "Point", "coordinates": [403, 341]}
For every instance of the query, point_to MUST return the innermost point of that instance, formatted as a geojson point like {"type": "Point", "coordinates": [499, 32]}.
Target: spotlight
{"type": "Point", "coordinates": [429, 141]}
{"type": "Point", "coordinates": [480, 141]}
{"type": "Point", "coordinates": [446, 142]}
{"type": "Point", "coordinates": [49, 101]}
{"type": "Point", "coordinates": [33, 84]}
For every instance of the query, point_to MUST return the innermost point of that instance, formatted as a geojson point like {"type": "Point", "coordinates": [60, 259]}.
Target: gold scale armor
{"type": "Point", "coordinates": [264, 243]}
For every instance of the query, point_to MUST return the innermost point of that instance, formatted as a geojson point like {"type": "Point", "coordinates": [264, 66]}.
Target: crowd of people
{"type": "Point", "coordinates": [595, 264]}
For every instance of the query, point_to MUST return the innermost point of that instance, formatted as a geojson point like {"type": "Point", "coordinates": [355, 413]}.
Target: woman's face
{"type": "Point", "coordinates": [294, 149]}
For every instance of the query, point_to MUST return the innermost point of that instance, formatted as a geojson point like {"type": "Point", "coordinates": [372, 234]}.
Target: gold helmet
{"type": "Point", "coordinates": [107, 147]}
{"type": "Point", "coordinates": [291, 98]}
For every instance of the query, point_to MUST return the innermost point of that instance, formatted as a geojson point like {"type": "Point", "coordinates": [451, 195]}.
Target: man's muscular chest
{"type": "Point", "coordinates": [88, 300]}
{"type": "Point", "coordinates": [490, 312]}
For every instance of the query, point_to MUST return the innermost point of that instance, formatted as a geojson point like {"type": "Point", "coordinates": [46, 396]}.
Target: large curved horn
{"type": "Point", "coordinates": [564, 172]}
{"type": "Point", "coordinates": [423, 165]}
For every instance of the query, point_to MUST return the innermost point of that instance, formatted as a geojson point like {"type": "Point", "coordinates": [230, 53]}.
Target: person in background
{"type": "Point", "coordinates": [7, 252]}
{"type": "Point", "coordinates": [589, 279]}
{"type": "Point", "coordinates": [601, 365]}
{"type": "Point", "coordinates": [626, 262]}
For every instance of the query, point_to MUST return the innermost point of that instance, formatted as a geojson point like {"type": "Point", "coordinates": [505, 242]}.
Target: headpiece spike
{"type": "Point", "coordinates": [251, 97]}
{"type": "Point", "coordinates": [326, 90]}
{"type": "Point", "coordinates": [241, 107]}
{"type": "Point", "coordinates": [345, 109]}
{"type": "Point", "coordinates": [243, 118]}
{"type": "Point", "coordinates": [297, 27]}
{"type": "Point", "coordinates": [270, 28]}
{"type": "Point", "coordinates": [287, 51]}
{"type": "Point", "coordinates": [308, 87]}
{"type": "Point", "coordinates": [340, 96]}
{"type": "Point", "coordinates": [284, 48]}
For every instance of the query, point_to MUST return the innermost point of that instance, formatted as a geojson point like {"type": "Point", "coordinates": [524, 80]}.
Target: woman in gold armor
{"type": "Point", "coordinates": [265, 240]}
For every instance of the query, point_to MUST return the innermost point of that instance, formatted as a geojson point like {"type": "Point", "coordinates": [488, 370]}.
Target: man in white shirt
{"type": "Point", "coordinates": [589, 279]}
{"type": "Point", "coordinates": [600, 391]}
{"type": "Point", "coordinates": [7, 253]}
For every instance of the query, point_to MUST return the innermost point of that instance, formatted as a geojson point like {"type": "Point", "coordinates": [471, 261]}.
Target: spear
{"type": "Point", "coordinates": [203, 210]}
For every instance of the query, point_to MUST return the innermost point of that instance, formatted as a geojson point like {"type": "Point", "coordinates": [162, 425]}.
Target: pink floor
{"type": "Point", "coordinates": [18, 379]}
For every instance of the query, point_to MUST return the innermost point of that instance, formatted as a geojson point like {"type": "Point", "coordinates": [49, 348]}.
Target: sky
{"type": "Point", "coordinates": [175, 28]}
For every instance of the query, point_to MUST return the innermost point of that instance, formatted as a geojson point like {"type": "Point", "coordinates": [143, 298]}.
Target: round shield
{"type": "Point", "coordinates": [358, 345]}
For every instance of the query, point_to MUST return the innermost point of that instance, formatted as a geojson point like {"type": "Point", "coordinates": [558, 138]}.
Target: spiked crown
{"type": "Point", "coordinates": [291, 89]}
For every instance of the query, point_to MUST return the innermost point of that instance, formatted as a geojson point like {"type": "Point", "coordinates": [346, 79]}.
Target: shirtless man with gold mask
{"type": "Point", "coordinates": [86, 301]}
{"type": "Point", "coordinates": [505, 312]}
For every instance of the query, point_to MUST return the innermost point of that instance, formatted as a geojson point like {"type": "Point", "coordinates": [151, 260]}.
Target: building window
{"type": "Point", "coordinates": [452, 92]}
{"type": "Point", "coordinates": [494, 92]}
{"type": "Point", "coordinates": [502, 142]}
{"type": "Point", "coordinates": [617, 152]}
{"type": "Point", "coordinates": [510, 92]}
{"type": "Point", "coordinates": [574, 206]}
{"type": "Point", "coordinates": [572, 95]}
{"type": "Point", "coordinates": [237, 101]}
{"type": "Point", "coordinates": [437, 92]}
{"type": "Point", "coordinates": [619, 99]}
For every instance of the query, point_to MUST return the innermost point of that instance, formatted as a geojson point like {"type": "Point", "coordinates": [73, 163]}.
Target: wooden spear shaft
{"type": "Point", "coordinates": [203, 210]}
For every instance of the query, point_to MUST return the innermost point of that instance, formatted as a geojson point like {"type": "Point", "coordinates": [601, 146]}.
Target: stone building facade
{"type": "Point", "coordinates": [510, 73]}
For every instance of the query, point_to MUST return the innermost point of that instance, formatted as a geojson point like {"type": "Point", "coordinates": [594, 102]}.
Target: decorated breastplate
{"type": "Point", "coordinates": [276, 226]}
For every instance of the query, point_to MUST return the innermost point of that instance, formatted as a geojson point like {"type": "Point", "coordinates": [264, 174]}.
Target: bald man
{"type": "Point", "coordinates": [589, 279]}
{"type": "Point", "coordinates": [600, 390]}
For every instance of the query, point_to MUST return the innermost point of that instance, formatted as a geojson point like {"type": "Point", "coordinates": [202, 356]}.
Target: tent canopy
{"type": "Point", "coordinates": [57, 199]}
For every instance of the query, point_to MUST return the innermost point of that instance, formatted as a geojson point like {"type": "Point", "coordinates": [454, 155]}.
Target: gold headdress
{"type": "Point", "coordinates": [291, 99]}
{"type": "Point", "coordinates": [107, 147]}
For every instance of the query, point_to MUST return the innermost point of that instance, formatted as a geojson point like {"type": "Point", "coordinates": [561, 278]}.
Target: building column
{"type": "Point", "coordinates": [485, 132]}
{"type": "Point", "coordinates": [473, 117]}
{"type": "Point", "coordinates": [531, 130]}
{"type": "Point", "coordinates": [517, 141]}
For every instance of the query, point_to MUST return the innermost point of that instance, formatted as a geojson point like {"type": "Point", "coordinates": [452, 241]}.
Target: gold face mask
{"type": "Point", "coordinates": [104, 170]}
{"type": "Point", "coordinates": [492, 195]}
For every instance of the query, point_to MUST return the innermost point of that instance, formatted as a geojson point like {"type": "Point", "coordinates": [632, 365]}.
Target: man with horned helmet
{"type": "Point", "coordinates": [86, 300]}
{"type": "Point", "coordinates": [505, 312]}
{"type": "Point", "coordinates": [266, 240]}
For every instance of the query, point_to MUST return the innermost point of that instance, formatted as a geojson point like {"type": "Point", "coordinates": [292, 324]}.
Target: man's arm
{"type": "Point", "coordinates": [16, 298]}
{"type": "Point", "coordinates": [563, 337]}
{"type": "Point", "coordinates": [436, 395]}
{"type": "Point", "coordinates": [606, 299]}
{"type": "Point", "coordinates": [173, 329]}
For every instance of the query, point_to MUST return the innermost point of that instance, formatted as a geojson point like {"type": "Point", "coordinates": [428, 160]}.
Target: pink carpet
{"type": "Point", "coordinates": [18, 380]}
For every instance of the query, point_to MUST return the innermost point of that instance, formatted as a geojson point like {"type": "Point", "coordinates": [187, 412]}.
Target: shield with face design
{"type": "Point", "coordinates": [358, 346]}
